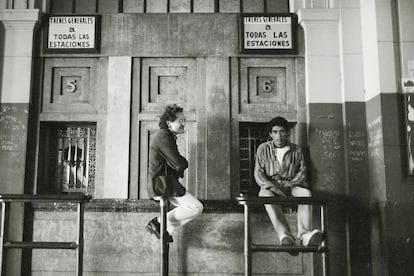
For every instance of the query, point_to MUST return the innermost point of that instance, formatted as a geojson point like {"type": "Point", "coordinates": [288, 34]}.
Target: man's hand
{"type": "Point", "coordinates": [284, 183]}
{"type": "Point", "coordinates": [180, 173]}
{"type": "Point", "coordinates": [279, 192]}
{"type": "Point", "coordinates": [277, 177]}
{"type": "Point", "coordinates": [287, 184]}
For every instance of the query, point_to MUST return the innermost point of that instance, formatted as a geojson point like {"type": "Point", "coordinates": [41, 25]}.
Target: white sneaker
{"type": "Point", "coordinates": [286, 239]}
{"type": "Point", "coordinates": [312, 238]}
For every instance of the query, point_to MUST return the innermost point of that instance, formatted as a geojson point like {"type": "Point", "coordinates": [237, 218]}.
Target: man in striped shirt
{"type": "Point", "coordinates": [280, 170]}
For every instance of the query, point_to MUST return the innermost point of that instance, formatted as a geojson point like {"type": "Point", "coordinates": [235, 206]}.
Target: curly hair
{"type": "Point", "coordinates": [278, 121]}
{"type": "Point", "coordinates": [170, 114]}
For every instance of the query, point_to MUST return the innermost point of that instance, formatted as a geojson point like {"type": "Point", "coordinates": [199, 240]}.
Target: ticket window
{"type": "Point", "coordinates": [251, 135]}
{"type": "Point", "coordinates": [67, 158]}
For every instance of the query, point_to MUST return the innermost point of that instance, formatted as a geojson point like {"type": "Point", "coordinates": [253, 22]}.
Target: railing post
{"type": "Point", "coordinates": [3, 218]}
{"type": "Point", "coordinates": [5, 243]}
{"type": "Point", "coordinates": [79, 260]}
{"type": "Point", "coordinates": [164, 236]}
{"type": "Point", "coordinates": [247, 242]}
{"type": "Point", "coordinates": [5, 234]}
{"type": "Point", "coordinates": [324, 228]}
{"type": "Point", "coordinates": [249, 248]}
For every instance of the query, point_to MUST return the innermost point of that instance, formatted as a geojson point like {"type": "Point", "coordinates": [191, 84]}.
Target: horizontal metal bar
{"type": "Point", "coordinates": [284, 248]}
{"type": "Point", "coordinates": [44, 198]}
{"type": "Point", "coordinates": [256, 200]}
{"type": "Point", "coordinates": [41, 245]}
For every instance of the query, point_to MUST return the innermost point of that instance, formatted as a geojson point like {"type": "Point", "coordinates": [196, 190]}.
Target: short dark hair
{"type": "Point", "coordinates": [170, 114]}
{"type": "Point", "coordinates": [278, 121]}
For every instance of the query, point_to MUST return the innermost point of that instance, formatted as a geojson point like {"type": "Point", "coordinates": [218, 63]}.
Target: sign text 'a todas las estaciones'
{"type": "Point", "coordinates": [71, 32]}
{"type": "Point", "coordinates": [268, 32]}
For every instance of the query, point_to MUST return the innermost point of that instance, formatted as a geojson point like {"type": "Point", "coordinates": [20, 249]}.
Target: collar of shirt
{"type": "Point", "coordinates": [173, 133]}
{"type": "Point", "coordinates": [288, 144]}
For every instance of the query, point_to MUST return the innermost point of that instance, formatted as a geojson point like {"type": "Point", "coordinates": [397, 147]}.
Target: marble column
{"type": "Point", "coordinates": [218, 139]}
{"type": "Point", "coordinates": [16, 47]}
{"type": "Point", "coordinates": [117, 130]}
{"type": "Point", "coordinates": [387, 39]}
{"type": "Point", "coordinates": [325, 121]}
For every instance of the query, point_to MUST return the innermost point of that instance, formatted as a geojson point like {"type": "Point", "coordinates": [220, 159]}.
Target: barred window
{"type": "Point", "coordinates": [251, 136]}
{"type": "Point", "coordinates": [67, 159]}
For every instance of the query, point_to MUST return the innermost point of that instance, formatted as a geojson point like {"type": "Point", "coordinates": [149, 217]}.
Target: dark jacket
{"type": "Point", "coordinates": [163, 154]}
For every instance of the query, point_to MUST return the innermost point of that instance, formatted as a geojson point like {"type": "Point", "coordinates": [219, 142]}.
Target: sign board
{"type": "Point", "coordinates": [268, 33]}
{"type": "Point", "coordinates": [72, 33]}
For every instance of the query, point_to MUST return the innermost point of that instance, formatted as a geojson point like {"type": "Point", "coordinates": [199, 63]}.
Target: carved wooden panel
{"type": "Point", "coordinates": [167, 80]}
{"type": "Point", "coordinates": [69, 85]}
{"type": "Point", "coordinates": [180, 6]}
{"type": "Point", "coordinates": [133, 6]}
{"type": "Point", "coordinates": [108, 6]}
{"type": "Point", "coordinates": [203, 6]}
{"type": "Point", "coordinates": [253, 6]}
{"type": "Point", "coordinates": [229, 6]}
{"type": "Point", "coordinates": [267, 86]}
{"type": "Point", "coordinates": [157, 6]}
{"type": "Point", "coordinates": [186, 143]}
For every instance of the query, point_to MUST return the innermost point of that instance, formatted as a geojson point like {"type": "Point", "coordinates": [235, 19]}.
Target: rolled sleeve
{"type": "Point", "coordinates": [299, 178]}
{"type": "Point", "coordinates": [260, 175]}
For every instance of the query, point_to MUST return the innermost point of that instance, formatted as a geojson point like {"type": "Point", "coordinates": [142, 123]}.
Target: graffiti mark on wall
{"type": "Point", "coordinates": [330, 142]}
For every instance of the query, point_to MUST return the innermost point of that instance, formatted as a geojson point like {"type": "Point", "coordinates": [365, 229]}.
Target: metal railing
{"type": "Point", "coordinates": [164, 236]}
{"type": "Point", "coordinates": [249, 248]}
{"type": "Point", "coordinates": [7, 199]}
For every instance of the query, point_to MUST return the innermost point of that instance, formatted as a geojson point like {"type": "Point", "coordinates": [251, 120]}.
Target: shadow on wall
{"type": "Point", "coordinates": [360, 220]}
{"type": "Point", "coordinates": [213, 236]}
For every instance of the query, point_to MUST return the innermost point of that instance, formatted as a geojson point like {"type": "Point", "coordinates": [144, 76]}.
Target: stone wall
{"type": "Point", "coordinates": [116, 243]}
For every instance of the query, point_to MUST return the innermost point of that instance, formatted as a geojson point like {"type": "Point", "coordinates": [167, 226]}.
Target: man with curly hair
{"type": "Point", "coordinates": [165, 159]}
{"type": "Point", "coordinates": [280, 171]}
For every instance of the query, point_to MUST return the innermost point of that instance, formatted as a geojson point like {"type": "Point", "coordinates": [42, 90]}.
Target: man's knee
{"type": "Point", "coordinates": [301, 192]}
{"type": "Point", "coordinates": [196, 207]}
{"type": "Point", "coordinates": [199, 208]}
{"type": "Point", "coordinates": [190, 203]}
{"type": "Point", "coordinates": [263, 192]}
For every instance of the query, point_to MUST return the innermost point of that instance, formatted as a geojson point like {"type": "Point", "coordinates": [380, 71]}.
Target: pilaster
{"type": "Point", "coordinates": [324, 100]}
{"type": "Point", "coordinates": [117, 131]}
{"type": "Point", "coordinates": [16, 46]}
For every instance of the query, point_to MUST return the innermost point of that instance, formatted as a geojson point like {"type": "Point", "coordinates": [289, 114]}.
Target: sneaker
{"type": "Point", "coordinates": [154, 226]}
{"type": "Point", "coordinates": [312, 238]}
{"type": "Point", "coordinates": [288, 240]}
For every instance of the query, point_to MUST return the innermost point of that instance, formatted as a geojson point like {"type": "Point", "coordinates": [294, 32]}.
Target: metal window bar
{"type": "Point", "coordinates": [251, 136]}
{"type": "Point", "coordinates": [249, 248]}
{"type": "Point", "coordinates": [78, 245]}
{"type": "Point", "coordinates": [75, 149]}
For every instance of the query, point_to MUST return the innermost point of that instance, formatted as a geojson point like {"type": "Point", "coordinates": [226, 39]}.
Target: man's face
{"type": "Point", "coordinates": [178, 124]}
{"type": "Point", "coordinates": [279, 135]}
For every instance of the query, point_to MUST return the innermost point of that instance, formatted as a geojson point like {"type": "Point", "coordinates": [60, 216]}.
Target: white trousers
{"type": "Point", "coordinates": [278, 219]}
{"type": "Point", "coordinates": [187, 208]}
